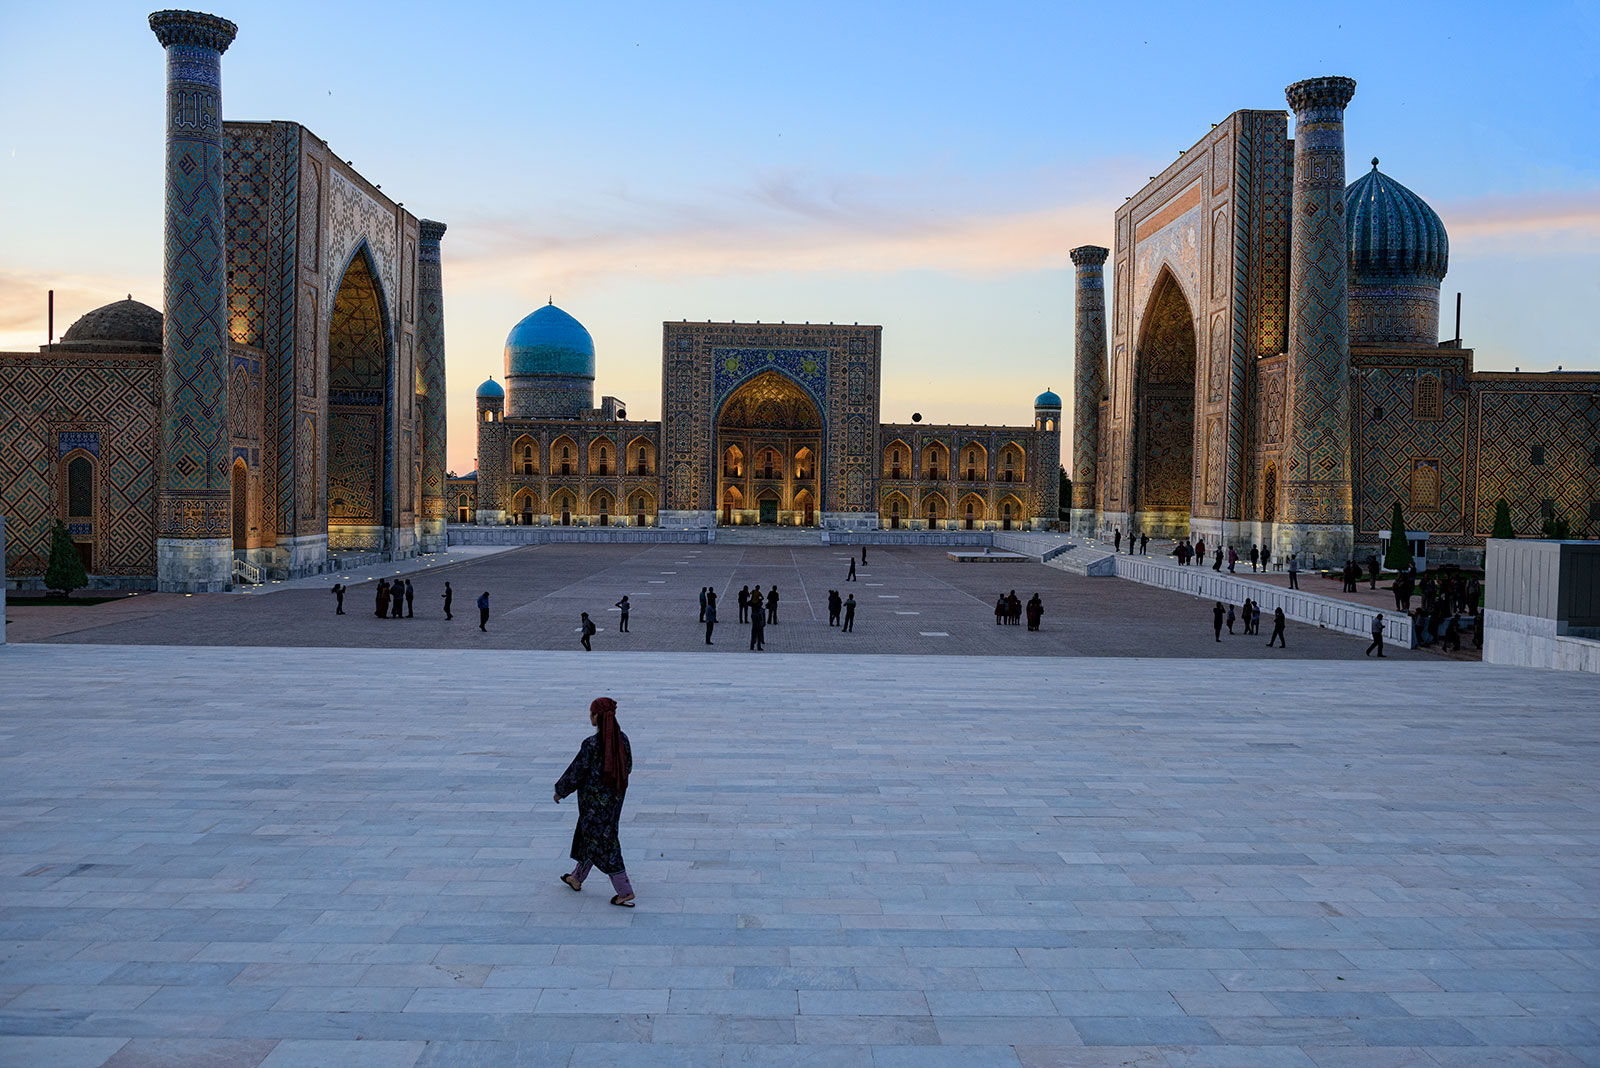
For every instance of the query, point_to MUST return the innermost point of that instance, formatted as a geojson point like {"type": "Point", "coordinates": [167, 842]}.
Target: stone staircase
{"type": "Point", "coordinates": [1088, 560]}
{"type": "Point", "coordinates": [766, 536]}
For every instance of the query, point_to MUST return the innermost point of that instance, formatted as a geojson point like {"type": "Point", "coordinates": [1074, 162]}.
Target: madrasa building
{"type": "Point", "coordinates": [762, 425]}
{"type": "Point", "coordinates": [1276, 375]}
{"type": "Point", "coordinates": [284, 415]}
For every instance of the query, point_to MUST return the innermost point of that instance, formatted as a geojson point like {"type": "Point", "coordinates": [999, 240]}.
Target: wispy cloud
{"type": "Point", "coordinates": [783, 222]}
{"type": "Point", "coordinates": [1563, 221]}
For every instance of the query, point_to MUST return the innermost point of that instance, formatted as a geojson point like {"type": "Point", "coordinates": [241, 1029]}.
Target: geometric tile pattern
{"type": "Point", "coordinates": [1388, 440]}
{"type": "Point", "coordinates": [836, 365]}
{"type": "Point", "coordinates": [1089, 370]}
{"type": "Point", "coordinates": [1512, 417]}
{"type": "Point", "coordinates": [431, 365]}
{"type": "Point", "coordinates": [195, 479]}
{"type": "Point", "coordinates": [1317, 479]}
{"type": "Point", "coordinates": [105, 405]}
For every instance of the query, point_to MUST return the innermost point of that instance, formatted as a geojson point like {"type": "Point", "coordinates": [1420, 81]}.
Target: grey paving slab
{"type": "Point", "coordinates": [912, 601]}
{"type": "Point", "coordinates": [209, 855]}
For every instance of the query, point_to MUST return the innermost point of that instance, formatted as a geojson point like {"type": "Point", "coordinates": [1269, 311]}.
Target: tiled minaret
{"type": "Point", "coordinates": [1317, 517]}
{"type": "Point", "coordinates": [1089, 383]}
{"type": "Point", "coordinates": [194, 544]}
{"type": "Point", "coordinates": [430, 343]}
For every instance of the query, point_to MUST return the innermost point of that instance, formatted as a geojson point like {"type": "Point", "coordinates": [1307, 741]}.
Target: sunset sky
{"type": "Point", "coordinates": [925, 167]}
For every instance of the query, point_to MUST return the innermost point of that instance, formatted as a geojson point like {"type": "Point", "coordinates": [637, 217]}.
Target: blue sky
{"type": "Point", "coordinates": [921, 166]}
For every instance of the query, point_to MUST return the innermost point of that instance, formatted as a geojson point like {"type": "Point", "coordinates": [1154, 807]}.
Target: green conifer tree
{"type": "Point", "coordinates": [1064, 506]}
{"type": "Point", "coordinates": [1502, 521]}
{"type": "Point", "coordinates": [1398, 558]}
{"type": "Point", "coordinates": [65, 572]}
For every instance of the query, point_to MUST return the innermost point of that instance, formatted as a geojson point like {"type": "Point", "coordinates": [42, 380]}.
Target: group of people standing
{"type": "Point", "coordinates": [1136, 541]}
{"type": "Point", "coordinates": [1008, 610]}
{"type": "Point", "coordinates": [845, 608]}
{"type": "Point", "coordinates": [396, 600]}
{"type": "Point", "coordinates": [1249, 615]}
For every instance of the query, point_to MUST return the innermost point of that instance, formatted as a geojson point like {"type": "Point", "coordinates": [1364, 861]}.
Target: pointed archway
{"type": "Point", "coordinates": [1164, 392]}
{"type": "Point", "coordinates": [768, 435]}
{"type": "Point", "coordinates": [360, 496]}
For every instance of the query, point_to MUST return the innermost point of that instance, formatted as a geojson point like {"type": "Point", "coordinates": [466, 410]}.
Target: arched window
{"type": "Point", "coordinates": [80, 488]}
{"type": "Point", "coordinates": [643, 466]}
{"type": "Point", "coordinates": [603, 458]}
{"type": "Point", "coordinates": [527, 459]}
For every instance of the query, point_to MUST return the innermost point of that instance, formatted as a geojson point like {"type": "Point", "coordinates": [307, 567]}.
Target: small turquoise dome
{"type": "Point", "coordinates": [1047, 399]}
{"type": "Point", "coordinates": [550, 342]}
{"type": "Point", "coordinates": [491, 390]}
{"type": "Point", "coordinates": [1392, 232]}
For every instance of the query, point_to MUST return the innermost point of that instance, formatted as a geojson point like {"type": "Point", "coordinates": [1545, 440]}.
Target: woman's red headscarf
{"type": "Point", "coordinates": [614, 763]}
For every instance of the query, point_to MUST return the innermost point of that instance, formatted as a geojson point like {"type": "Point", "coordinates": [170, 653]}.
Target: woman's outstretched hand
{"type": "Point", "coordinates": [558, 799]}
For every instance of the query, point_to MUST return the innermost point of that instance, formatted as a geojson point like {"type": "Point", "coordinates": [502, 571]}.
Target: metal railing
{"type": "Point", "coordinates": [247, 571]}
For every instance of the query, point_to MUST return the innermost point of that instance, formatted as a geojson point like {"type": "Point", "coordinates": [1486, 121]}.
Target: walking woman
{"type": "Point", "coordinates": [599, 775]}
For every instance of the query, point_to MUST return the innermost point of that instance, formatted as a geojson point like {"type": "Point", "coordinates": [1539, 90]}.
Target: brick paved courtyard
{"type": "Point", "coordinates": [910, 601]}
{"type": "Point", "coordinates": [253, 856]}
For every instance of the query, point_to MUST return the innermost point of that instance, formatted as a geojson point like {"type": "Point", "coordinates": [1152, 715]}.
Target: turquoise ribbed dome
{"type": "Point", "coordinates": [1392, 232]}
{"type": "Point", "coordinates": [550, 342]}
{"type": "Point", "coordinates": [1047, 399]}
{"type": "Point", "coordinates": [491, 390]}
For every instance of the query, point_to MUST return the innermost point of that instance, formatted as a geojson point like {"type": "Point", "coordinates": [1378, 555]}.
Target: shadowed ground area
{"type": "Point", "coordinates": [910, 600]}
{"type": "Point", "coordinates": [348, 858]}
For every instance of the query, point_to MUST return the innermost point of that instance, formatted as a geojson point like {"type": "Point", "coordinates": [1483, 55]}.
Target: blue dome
{"type": "Point", "coordinates": [1047, 399]}
{"type": "Point", "coordinates": [1392, 232]}
{"type": "Point", "coordinates": [550, 342]}
{"type": "Point", "coordinates": [491, 389]}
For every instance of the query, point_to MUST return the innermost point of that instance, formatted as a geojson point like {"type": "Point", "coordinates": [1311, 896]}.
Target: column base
{"type": "Point", "coordinates": [1315, 545]}
{"type": "Point", "coordinates": [194, 565]}
{"type": "Point", "coordinates": [434, 536]}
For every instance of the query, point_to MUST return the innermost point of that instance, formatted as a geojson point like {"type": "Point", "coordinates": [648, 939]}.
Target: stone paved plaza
{"type": "Point", "coordinates": [910, 601]}
{"type": "Point", "coordinates": [348, 858]}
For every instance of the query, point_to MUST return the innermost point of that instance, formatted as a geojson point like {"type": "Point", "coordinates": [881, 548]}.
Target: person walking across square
{"type": "Point", "coordinates": [410, 593]}
{"type": "Point", "coordinates": [711, 616]}
{"type": "Point", "coordinates": [483, 612]}
{"type": "Point", "coordinates": [772, 606]}
{"type": "Point", "coordinates": [448, 595]}
{"type": "Point", "coordinates": [622, 621]}
{"type": "Point", "coordinates": [1277, 629]}
{"type": "Point", "coordinates": [1377, 635]}
{"type": "Point", "coordinates": [744, 604]}
{"type": "Point", "coordinates": [338, 593]}
{"type": "Point", "coordinates": [703, 591]}
{"type": "Point", "coordinates": [586, 630]}
{"type": "Point", "coordinates": [849, 613]}
{"type": "Point", "coordinates": [599, 776]}
{"type": "Point", "coordinates": [1294, 572]}
{"type": "Point", "coordinates": [852, 576]}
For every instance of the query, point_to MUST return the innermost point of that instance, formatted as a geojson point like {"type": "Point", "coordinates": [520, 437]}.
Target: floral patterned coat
{"type": "Point", "coordinates": [594, 840]}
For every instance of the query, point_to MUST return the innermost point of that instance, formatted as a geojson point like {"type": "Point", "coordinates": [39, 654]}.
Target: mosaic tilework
{"type": "Point", "coordinates": [431, 368]}
{"type": "Point", "coordinates": [1389, 440]}
{"type": "Point", "coordinates": [1508, 418]}
{"type": "Point", "coordinates": [248, 184]}
{"type": "Point", "coordinates": [283, 331]}
{"type": "Point", "coordinates": [105, 406]}
{"type": "Point", "coordinates": [354, 492]}
{"type": "Point", "coordinates": [1317, 481]}
{"type": "Point", "coordinates": [843, 378]}
{"type": "Point", "coordinates": [195, 483]}
{"type": "Point", "coordinates": [1089, 373]}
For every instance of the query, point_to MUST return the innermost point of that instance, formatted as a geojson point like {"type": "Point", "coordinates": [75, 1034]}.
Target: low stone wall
{"type": "Point", "coordinates": [1529, 641]}
{"type": "Point", "coordinates": [1209, 585]}
{"type": "Point", "coordinates": [474, 535]}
